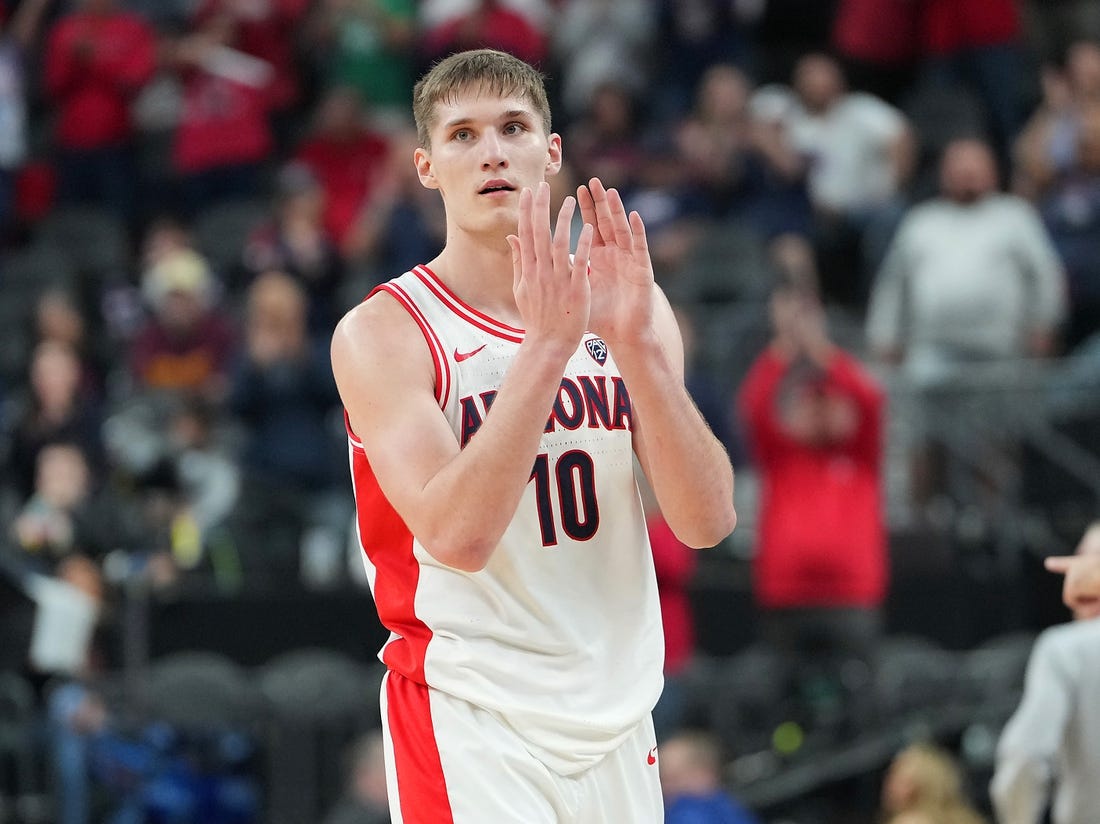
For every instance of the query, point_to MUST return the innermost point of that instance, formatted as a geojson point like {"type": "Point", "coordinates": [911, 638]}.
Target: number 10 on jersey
{"type": "Point", "coordinates": [574, 479]}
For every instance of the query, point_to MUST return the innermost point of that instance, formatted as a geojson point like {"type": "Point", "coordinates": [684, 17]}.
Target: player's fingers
{"type": "Point", "coordinates": [584, 251]}
{"type": "Point", "coordinates": [526, 232]}
{"type": "Point", "coordinates": [561, 234]}
{"type": "Point", "coordinates": [617, 219]}
{"type": "Point", "coordinates": [637, 229]}
{"type": "Point", "coordinates": [517, 266]}
{"type": "Point", "coordinates": [587, 205]}
{"type": "Point", "coordinates": [1059, 563]}
{"type": "Point", "coordinates": [540, 224]}
{"type": "Point", "coordinates": [604, 226]}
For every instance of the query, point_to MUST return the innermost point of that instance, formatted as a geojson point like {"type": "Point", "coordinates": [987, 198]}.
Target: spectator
{"type": "Point", "coordinates": [608, 141]}
{"type": "Point", "coordinates": [18, 34]}
{"type": "Point", "coordinates": [292, 512]}
{"type": "Point", "coordinates": [448, 26]}
{"type": "Point", "coordinates": [971, 275]}
{"type": "Point", "coordinates": [405, 225]}
{"type": "Point", "coordinates": [924, 786]}
{"type": "Point", "coordinates": [709, 397]}
{"type": "Point", "coordinates": [1047, 756]}
{"type": "Point", "coordinates": [744, 167]}
{"type": "Point", "coordinates": [58, 317]}
{"type": "Point", "coordinates": [978, 43]}
{"type": "Point", "coordinates": [266, 30]}
{"type": "Point", "coordinates": [368, 46]}
{"type": "Point", "coordinates": [52, 524]}
{"type": "Point", "coordinates": [599, 42]}
{"type": "Point", "coordinates": [674, 564]}
{"type": "Point", "coordinates": [97, 58]}
{"type": "Point", "coordinates": [58, 408]}
{"type": "Point", "coordinates": [877, 42]}
{"type": "Point", "coordinates": [857, 152]}
{"type": "Point", "coordinates": [347, 158]}
{"type": "Point", "coordinates": [691, 780]}
{"type": "Point", "coordinates": [1047, 146]}
{"type": "Point", "coordinates": [296, 242]}
{"type": "Point", "coordinates": [1071, 212]}
{"type": "Point", "coordinates": [813, 421]}
{"type": "Point", "coordinates": [208, 481]}
{"type": "Point", "coordinates": [690, 38]}
{"type": "Point", "coordinates": [1050, 27]}
{"type": "Point", "coordinates": [186, 343]}
{"type": "Point", "coordinates": [223, 138]}
{"type": "Point", "coordinates": [365, 800]}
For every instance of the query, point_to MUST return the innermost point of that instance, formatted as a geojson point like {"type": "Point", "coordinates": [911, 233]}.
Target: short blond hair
{"type": "Point", "coordinates": [485, 70]}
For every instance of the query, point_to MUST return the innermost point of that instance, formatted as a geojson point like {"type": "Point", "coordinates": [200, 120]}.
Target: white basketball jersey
{"type": "Point", "coordinates": [560, 634]}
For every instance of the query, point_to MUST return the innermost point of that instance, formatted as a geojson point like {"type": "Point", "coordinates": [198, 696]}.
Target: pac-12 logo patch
{"type": "Point", "coordinates": [597, 349]}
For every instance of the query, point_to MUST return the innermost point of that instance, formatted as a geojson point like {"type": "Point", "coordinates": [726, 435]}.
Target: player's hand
{"type": "Point", "coordinates": [1081, 588]}
{"type": "Point", "coordinates": [552, 292]}
{"type": "Point", "coordinates": [621, 271]}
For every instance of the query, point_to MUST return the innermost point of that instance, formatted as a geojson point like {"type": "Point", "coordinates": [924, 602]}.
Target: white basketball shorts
{"type": "Point", "coordinates": [450, 762]}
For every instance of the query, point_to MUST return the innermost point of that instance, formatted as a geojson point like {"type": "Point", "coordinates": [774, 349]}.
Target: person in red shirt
{"type": "Point", "coordinates": [97, 59]}
{"type": "Point", "coordinates": [347, 158]}
{"type": "Point", "coordinates": [980, 44]}
{"type": "Point", "coordinates": [489, 24]}
{"type": "Point", "coordinates": [266, 30]}
{"type": "Point", "coordinates": [813, 421]}
{"type": "Point", "coordinates": [675, 564]}
{"type": "Point", "coordinates": [223, 138]}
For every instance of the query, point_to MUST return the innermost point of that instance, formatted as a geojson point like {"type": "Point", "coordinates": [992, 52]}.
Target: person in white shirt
{"type": "Point", "coordinates": [858, 152]}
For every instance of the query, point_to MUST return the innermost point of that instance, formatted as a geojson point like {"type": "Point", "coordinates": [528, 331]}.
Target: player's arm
{"type": "Point", "coordinates": [686, 465]}
{"type": "Point", "coordinates": [458, 502]}
{"type": "Point", "coordinates": [684, 462]}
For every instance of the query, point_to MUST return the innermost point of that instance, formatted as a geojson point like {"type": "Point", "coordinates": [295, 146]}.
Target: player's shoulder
{"type": "Point", "coordinates": [379, 326]}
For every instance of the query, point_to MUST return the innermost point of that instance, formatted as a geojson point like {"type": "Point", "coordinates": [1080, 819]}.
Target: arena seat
{"type": "Point", "coordinates": [321, 700]}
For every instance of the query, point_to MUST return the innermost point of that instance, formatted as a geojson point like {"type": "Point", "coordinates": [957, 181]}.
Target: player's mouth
{"type": "Point", "coordinates": [493, 187]}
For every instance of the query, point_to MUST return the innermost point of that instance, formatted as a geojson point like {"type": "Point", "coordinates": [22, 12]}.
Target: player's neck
{"type": "Point", "coordinates": [479, 271]}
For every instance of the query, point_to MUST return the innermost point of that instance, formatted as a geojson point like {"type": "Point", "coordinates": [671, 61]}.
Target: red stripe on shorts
{"type": "Point", "coordinates": [420, 782]}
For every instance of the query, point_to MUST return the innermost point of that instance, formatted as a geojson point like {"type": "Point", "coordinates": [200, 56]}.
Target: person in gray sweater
{"type": "Point", "coordinates": [969, 275]}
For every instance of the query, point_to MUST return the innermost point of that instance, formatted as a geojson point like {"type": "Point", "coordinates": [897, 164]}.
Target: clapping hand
{"type": "Point", "coordinates": [621, 269]}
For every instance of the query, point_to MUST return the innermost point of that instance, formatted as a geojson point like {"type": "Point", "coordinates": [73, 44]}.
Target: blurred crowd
{"type": "Point", "coordinates": [192, 192]}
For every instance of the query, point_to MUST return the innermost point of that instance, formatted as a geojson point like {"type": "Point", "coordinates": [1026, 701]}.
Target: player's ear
{"type": "Point", "coordinates": [423, 162]}
{"type": "Point", "coordinates": [554, 157]}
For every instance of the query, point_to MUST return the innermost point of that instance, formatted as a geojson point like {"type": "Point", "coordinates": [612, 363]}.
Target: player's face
{"type": "Point", "coordinates": [485, 150]}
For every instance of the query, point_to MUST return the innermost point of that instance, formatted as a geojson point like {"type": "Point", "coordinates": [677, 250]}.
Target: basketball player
{"type": "Point", "coordinates": [496, 398]}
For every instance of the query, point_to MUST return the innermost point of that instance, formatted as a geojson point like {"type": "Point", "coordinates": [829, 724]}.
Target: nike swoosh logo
{"type": "Point", "coordinates": [461, 356]}
{"type": "Point", "coordinates": [652, 757]}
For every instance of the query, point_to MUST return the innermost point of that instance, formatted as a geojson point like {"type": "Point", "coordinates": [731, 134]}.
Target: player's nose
{"type": "Point", "coordinates": [493, 152]}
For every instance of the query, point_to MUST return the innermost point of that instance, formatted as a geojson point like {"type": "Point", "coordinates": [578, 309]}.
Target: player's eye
{"type": "Point", "coordinates": [514, 128]}
{"type": "Point", "coordinates": [462, 134]}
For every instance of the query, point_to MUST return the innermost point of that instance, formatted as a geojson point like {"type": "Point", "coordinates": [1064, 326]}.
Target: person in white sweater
{"type": "Point", "coordinates": [970, 275]}
{"type": "Point", "coordinates": [1049, 751]}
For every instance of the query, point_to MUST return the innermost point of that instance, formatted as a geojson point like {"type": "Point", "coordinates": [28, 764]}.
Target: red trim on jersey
{"type": "Point", "coordinates": [421, 785]}
{"type": "Point", "coordinates": [352, 437]}
{"type": "Point", "coordinates": [472, 316]}
{"type": "Point", "coordinates": [388, 544]}
{"type": "Point", "coordinates": [439, 356]}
